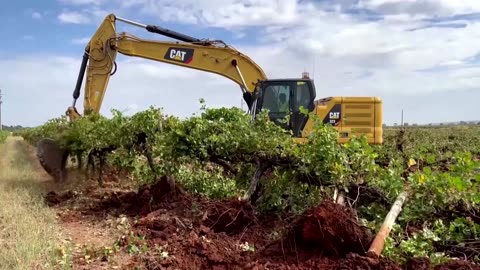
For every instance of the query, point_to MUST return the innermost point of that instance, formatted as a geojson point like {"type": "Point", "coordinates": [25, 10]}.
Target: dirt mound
{"type": "Point", "coordinates": [162, 190]}
{"type": "Point", "coordinates": [418, 264]}
{"type": "Point", "coordinates": [458, 265]}
{"type": "Point", "coordinates": [350, 262]}
{"type": "Point", "coordinates": [326, 237]}
{"type": "Point", "coordinates": [425, 264]}
{"type": "Point", "coordinates": [163, 194]}
{"type": "Point", "coordinates": [176, 230]}
{"type": "Point", "coordinates": [231, 216]}
{"type": "Point", "coordinates": [333, 229]}
{"type": "Point", "coordinates": [52, 198]}
{"type": "Point", "coordinates": [355, 261]}
{"type": "Point", "coordinates": [184, 248]}
{"type": "Point", "coordinates": [159, 226]}
{"type": "Point", "coordinates": [327, 230]}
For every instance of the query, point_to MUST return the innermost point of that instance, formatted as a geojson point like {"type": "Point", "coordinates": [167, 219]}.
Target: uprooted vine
{"type": "Point", "coordinates": [222, 153]}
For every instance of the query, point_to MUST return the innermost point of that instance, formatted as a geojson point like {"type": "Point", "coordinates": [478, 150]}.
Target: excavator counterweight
{"type": "Point", "coordinates": [349, 115]}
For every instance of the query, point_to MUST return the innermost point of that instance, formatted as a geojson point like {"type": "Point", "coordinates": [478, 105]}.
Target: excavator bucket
{"type": "Point", "coordinates": [52, 158]}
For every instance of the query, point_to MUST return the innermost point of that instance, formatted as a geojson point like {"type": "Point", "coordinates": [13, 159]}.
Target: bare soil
{"type": "Point", "coordinates": [164, 227]}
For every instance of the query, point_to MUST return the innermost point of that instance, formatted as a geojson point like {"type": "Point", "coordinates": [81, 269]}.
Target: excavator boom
{"type": "Point", "coordinates": [209, 56]}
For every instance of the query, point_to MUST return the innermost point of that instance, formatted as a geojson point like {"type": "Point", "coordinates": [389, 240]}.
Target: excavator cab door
{"type": "Point", "coordinates": [284, 98]}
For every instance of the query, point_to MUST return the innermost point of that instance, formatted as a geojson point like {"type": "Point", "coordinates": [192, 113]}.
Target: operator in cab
{"type": "Point", "coordinates": [283, 104]}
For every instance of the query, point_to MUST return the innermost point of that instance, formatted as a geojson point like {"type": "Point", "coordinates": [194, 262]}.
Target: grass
{"type": "Point", "coordinates": [29, 236]}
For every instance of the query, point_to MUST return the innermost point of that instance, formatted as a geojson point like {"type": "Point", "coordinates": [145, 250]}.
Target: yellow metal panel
{"type": "Point", "coordinates": [359, 116]}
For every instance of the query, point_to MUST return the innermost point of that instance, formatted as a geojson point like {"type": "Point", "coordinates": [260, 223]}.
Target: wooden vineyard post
{"type": "Point", "coordinates": [378, 243]}
{"type": "Point", "coordinates": [339, 197]}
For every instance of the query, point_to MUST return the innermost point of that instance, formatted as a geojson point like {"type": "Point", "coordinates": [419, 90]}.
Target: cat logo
{"type": "Point", "coordinates": [182, 55]}
{"type": "Point", "coordinates": [334, 116]}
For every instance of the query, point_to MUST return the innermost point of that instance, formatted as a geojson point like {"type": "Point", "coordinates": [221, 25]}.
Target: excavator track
{"type": "Point", "coordinates": [52, 158]}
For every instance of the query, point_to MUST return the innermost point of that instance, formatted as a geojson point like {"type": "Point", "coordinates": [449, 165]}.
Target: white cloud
{"type": "Point", "coordinates": [132, 106]}
{"type": "Point", "coordinates": [140, 83]}
{"type": "Point", "coordinates": [240, 35]}
{"type": "Point", "coordinates": [82, 2]}
{"type": "Point", "coordinates": [36, 15]}
{"type": "Point", "coordinates": [89, 15]}
{"type": "Point", "coordinates": [428, 7]}
{"type": "Point", "coordinates": [137, 84]}
{"type": "Point", "coordinates": [307, 28]}
{"type": "Point", "coordinates": [345, 55]}
{"type": "Point", "coordinates": [73, 17]}
{"type": "Point", "coordinates": [81, 41]}
{"type": "Point", "coordinates": [223, 13]}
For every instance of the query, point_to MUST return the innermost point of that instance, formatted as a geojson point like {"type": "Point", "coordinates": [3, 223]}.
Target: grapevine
{"type": "Point", "coordinates": [222, 153]}
{"type": "Point", "coordinates": [3, 136]}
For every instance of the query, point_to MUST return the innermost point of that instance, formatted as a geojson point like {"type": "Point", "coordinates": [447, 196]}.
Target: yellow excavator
{"type": "Point", "coordinates": [349, 115]}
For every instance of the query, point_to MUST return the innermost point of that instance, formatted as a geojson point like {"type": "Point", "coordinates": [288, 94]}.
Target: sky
{"type": "Point", "coordinates": [421, 56]}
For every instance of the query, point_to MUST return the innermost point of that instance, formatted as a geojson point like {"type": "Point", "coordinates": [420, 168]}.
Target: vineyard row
{"type": "Point", "coordinates": [223, 153]}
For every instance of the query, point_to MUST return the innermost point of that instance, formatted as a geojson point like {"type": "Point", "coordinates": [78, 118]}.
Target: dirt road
{"type": "Point", "coordinates": [29, 233]}
{"type": "Point", "coordinates": [34, 234]}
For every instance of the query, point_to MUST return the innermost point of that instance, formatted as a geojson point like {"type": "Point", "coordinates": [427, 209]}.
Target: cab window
{"type": "Point", "coordinates": [303, 96]}
{"type": "Point", "coordinates": [276, 98]}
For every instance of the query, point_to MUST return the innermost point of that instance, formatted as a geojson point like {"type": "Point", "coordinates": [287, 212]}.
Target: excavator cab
{"type": "Point", "coordinates": [282, 97]}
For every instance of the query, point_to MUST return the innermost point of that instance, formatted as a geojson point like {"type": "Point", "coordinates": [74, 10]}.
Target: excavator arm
{"type": "Point", "coordinates": [210, 56]}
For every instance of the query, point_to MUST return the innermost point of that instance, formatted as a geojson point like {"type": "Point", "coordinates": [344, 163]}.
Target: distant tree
{"type": "Point", "coordinates": [12, 128]}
